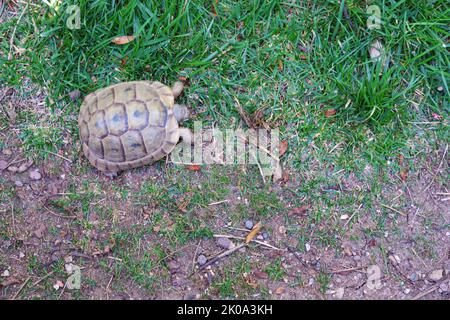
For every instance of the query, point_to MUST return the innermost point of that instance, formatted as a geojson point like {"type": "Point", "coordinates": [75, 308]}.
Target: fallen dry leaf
{"type": "Point", "coordinates": [404, 174]}
{"type": "Point", "coordinates": [193, 167]}
{"type": "Point", "coordinates": [123, 39]}
{"type": "Point", "coordinates": [10, 281]}
{"type": "Point", "coordinates": [283, 147]}
{"type": "Point", "coordinates": [251, 281]}
{"type": "Point", "coordinates": [280, 65]}
{"type": "Point", "coordinates": [279, 290]}
{"type": "Point", "coordinates": [299, 210]}
{"type": "Point", "coordinates": [330, 112]}
{"type": "Point", "coordinates": [213, 8]}
{"type": "Point", "coordinates": [261, 274]}
{"type": "Point", "coordinates": [252, 234]}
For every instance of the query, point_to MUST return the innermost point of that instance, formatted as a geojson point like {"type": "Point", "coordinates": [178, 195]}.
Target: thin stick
{"type": "Point", "coordinates": [3, 108]}
{"type": "Point", "coordinates": [426, 292]}
{"type": "Point", "coordinates": [21, 287]}
{"type": "Point", "coordinates": [351, 217]}
{"type": "Point", "coordinates": [220, 256]}
{"type": "Point", "coordinates": [62, 291]}
{"type": "Point", "coordinates": [59, 215]}
{"type": "Point", "coordinates": [348, 269]}
{"type": "Point", "coordinates": [296, 255]}
{"type": "Point", "coordinates": [437, 171]}
{"type": "Point", "coordinates": [395, 210]}
{"type": "Point", "coordinates": [43, 278]}
{"type": "Point", "coordinates": [218, 202]}
{"type": "Point", "coordinates": [11, 41]}
{"type": "Point", "coordinates": [60, 156]}
{"type": "Point", "coordinates": [13, 218]}
{"type": "Point", "coordinates": [195, 254]}
{"type": "Point", "coordinates": [242, 238]}
{"type": "Point", "coordinates": [239, 229]}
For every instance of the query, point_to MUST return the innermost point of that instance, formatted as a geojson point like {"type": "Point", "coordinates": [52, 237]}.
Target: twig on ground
{"type": "Point", "coordinates": [218, 202]}
{"type": "Point", "coordinates": [42, 279]}
{"type": "Point", "coordinates": [296, 255]}
{"type": "Point", "coordinates": [393, 209]}
{"type": "Point", "coordinates": [242, 238]}
{"type": "Point", "coordinates": [218, 257]}
{"type": "Point", "coordinates": [437, 171]}
{"type": "Point", "coordinates": [348, 269]}
{"type": "Point", "coordinates": [11, 40]}
{"type": "Point", "coordinates": [20, 289]}
{"type": "Point", "coordinates": [426, 292]}
{"type": "Point", "coordinates": [59, 215]}
{"type": "Point", "coordinates": [195, 255]}
{"type": "Point", "coordinates": [351, 217]}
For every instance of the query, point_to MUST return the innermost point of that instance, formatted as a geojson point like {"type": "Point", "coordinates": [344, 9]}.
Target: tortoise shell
{"type": "Point", "coordinates": [128, 125]}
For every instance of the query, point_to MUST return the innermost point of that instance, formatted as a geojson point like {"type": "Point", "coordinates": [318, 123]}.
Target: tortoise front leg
{"type": "Point", "coordinates": [181, 112]}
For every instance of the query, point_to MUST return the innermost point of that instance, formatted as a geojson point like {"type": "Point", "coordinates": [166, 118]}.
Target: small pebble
{"type": "Point", "coordinates": [3, 164]}
{"type": "Point", "coordinates": [440, 88]}
{"type": "Point", "coordinates": [260, 237]}
{"type": "Point", "coordinates": [5, 273]}
{"type": "Point", "coordinates": [74, 95]}
{"type": "Point", "coordinates": [35, 175]}
{"type": "Point", "coordinates": [307, 247]}
{"type": "Point", "coordinates": [225, 243]}
{"type": "Point", "coordinates": [249, 224]}
{"type": "Point", "coordinates": [265, 235]}
{"type": "Point", "coordinates": [436, 275]}
{"type": "Point", "coordinates": [413, 277]}
{"type": "Point", "coordinates": [201, 259]}
{"type": "Point", "coordinates": [443, 287]}
{"type": "Point", "coordinates": [18, 183]}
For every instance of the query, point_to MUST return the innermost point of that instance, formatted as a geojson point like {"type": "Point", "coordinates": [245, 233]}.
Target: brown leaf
{"type": "Point", "coordinates": [299, 210]}
{"type": "Point", "coordinates": [193, 167]}
{"type": "Point", "coordinates": [251, 281]}
{"type": "Point", "coordinates": [330, 112]}
{"type": "Point", "coordinates": [252, 234]}
{"type": "Point", "coordinates": [213, 8]}
{"type": "Point", "coordinates": [400, 159]}
{"type": "Point", "coordinates": [280, 65]}
{"type": "Point", "coordinates": [404, 174]}
{"type": "Point", "coordinates": [10, 281]}
{"type": "Point", "coordinates": [283, 147]}
{"type": "Point", "coordinates": [279, 290]}
{"type": "Point", "coordinates": [123, 39]}
{"type": "Point", "coordinates": [184, 202]}
{"type": "Point", "coordinates": [261, 274]}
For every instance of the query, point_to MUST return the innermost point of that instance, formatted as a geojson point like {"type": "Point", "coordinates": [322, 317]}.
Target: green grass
{"type": "Point", "coordinates": [249, 51]}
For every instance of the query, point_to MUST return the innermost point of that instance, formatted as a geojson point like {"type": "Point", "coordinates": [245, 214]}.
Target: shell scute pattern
{"type": "Point", "coordinates": [128, 125]}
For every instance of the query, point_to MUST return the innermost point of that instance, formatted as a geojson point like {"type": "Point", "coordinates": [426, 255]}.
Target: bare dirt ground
{"type": "Point", "coordinates": [42, 237]}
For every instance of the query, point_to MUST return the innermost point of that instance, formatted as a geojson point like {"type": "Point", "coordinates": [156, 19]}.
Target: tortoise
{"type": "Point", "coordinates": [131, 124]}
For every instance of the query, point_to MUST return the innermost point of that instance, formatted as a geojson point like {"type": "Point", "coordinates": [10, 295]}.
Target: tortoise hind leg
{"type": "Point", "coordinates": [186, 135]}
